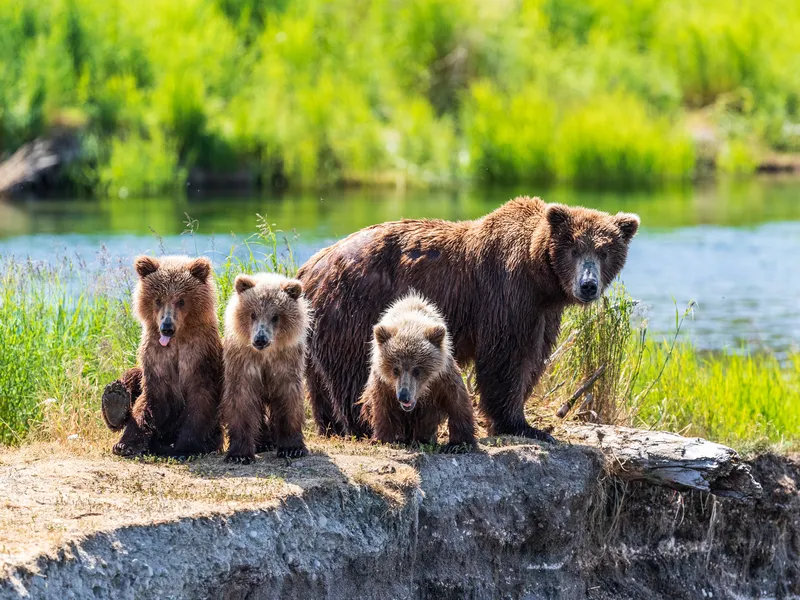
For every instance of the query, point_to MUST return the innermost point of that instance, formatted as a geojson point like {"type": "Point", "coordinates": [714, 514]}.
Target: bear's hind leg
{"type": "Point", "coordinates": [321, 406]}
{"type": "Point", "coordinates": [138, 433]}
{"type": "Point", "coordinates": [119, 397]}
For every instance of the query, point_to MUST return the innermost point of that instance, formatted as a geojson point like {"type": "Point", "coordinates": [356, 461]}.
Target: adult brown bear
{"type": "Point", "coordinates": [502, 283]}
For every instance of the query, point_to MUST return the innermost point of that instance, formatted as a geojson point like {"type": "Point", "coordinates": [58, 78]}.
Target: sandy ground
{"type": "Point", "coordinates": [51, 495]}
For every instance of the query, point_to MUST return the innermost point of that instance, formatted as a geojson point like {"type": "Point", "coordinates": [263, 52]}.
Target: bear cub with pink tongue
{"type": "Point", "coordinates": [175, 393]}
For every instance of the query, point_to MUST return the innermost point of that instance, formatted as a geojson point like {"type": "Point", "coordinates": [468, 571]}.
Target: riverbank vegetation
{"type": "Point", "coordinates": [67, 329]}
{"type": "Point", "coordinates": [314, 93]}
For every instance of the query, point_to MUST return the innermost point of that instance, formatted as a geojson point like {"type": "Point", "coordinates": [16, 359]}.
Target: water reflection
{"type": "Point", "coordinates": [728, 246]}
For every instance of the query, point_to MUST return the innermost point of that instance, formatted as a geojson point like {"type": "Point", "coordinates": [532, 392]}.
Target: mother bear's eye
{"type": "Point", "coordinates": [158, 303]}
{"type": "Point", "coordinates": [275, 320]}
{"type": "Point", "coordinates": [415, 371]}
{"type": "Point", "coordinates": [181, 302]}
{"type": "Point", "coordinates": [253, 316]}
{"type": "Point", "coordinates": [396, 371]}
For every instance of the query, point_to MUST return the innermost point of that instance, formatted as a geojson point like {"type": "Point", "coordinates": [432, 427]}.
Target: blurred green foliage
{"type": "Point", "coordinates": [323, 92]}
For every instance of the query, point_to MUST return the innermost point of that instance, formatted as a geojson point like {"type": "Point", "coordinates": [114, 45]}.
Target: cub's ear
{"type": "Point", "coordinates": [145, 265]}
{"type": "Point", "coordinates": [242, 283]}
{"type": "Point", "coordinates": [435, 334]}
{"type": "Point", "coordinates": [293, 288]}
{"type": "Point", "coordinates": [200, 268]}
{"type": "Point", "coordinates": [383, 333]}
{"type": "Point", "coordinates": [628, 224]}
{"type": "Point", "coordinates": [558, 215]}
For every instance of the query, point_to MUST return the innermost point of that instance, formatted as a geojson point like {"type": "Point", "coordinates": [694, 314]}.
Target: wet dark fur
{"type": "Point", "coordinates": [176, 391]}
{"type": "Point", "coordinates": [412, 335]}
{"type": "Point", "coordinates": [502, 283]}
{"type": "Point", "coordinates": [263, 401]}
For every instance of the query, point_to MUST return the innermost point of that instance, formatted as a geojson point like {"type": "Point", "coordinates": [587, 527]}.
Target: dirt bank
{"type": "Point", "coordinates": [354, 521]}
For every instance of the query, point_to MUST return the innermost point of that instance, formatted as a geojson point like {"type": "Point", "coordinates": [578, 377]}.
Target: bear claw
{"type": "Point", "coordinates": [284, 452]}
{"type": "Point", "coordinates": [238, 459]}
{"type": "Point", "coordinates": [116, 405]}
{"type": "Point", "coordinates": [537, 434]}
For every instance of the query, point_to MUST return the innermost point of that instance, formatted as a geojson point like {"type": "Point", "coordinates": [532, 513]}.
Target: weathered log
{"type": "Point", "coordinates": [36, 165]}
{"type": "Point", "coordinates": [669, 460]}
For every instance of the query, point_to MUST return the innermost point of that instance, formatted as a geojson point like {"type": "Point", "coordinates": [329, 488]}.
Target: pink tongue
{"type": "Point", "coordinates": [164, 340]}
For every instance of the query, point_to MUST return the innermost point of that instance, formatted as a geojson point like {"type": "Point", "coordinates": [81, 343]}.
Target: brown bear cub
{"type": "Point", "coordinates": [266, 324]}
{"type": "Point", "coordinates": [175, 393]}
{"type": "Point", "coordinates": [414, 382]}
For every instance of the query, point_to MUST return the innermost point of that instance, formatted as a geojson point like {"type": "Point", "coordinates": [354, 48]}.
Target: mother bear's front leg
{"type": "Point", "coordinates": [505, 380]}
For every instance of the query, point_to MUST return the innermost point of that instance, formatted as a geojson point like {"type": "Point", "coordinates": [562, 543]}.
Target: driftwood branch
{"type": "Point", "coordinates": [37, 164]}
{"type": "Point", "coordinates": [587, 385]}
{"type": "Point", "coordinates": [669, 460]}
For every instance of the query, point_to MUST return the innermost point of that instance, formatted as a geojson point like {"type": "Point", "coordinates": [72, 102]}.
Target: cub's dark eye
{"type": "Point", "coordinates": [181, 303]}
{"type": "Point", "coordinates": [415, 372]}
{"type": "Point", "coordinates": [275, 320]}
{"type": "Point", "coordinates": [575, 253]}
{"type": "Point", "coordinates": [253, 316]}
{"type": "Point", "coordinates": [396, 372]}
{"type": "Point", "coordinates": [602, 254]}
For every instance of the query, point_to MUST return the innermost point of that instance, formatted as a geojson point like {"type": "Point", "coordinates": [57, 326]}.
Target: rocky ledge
{"type": "Point", "coordinates": [587, 519]}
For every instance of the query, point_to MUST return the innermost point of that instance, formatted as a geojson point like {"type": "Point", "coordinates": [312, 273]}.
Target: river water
{"type": "Point", "coordinates": [732, 247]}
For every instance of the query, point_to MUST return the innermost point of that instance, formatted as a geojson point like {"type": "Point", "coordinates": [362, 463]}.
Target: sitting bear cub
{"type": "Point", "coordinates": [266, 324]}
{"type": "Point", "coordinates": [414, 382]}
{"type": "Point", "coordinates": [169, 404]}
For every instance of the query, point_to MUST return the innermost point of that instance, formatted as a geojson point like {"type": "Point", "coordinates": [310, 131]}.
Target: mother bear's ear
{"type": "Point", "coordinates": [628, 224]}
{"type": "Point", "coordinates": [558, 216]}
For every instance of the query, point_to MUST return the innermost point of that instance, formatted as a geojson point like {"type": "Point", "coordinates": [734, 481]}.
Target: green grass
{"type": "Point", "coordinates": [429, 92]}
{"type": "Point", "coordinates": [744, 400]}
{"type": "Point", "coordinates": [67, 330]}
{"type": "Point", "coordinates": [734, 399]}
{"type": "Point", "coordinates": [62, 336]}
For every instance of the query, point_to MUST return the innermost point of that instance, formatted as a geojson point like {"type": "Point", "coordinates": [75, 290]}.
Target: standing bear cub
{"type": "Point", "coordinates": [414, 382]}
{"type": "Point", "coordinates": [175, 392]}
{"type": "Point", "coordinates": [502, 283]}
{"type": "Point", "coordinates": [266, 324]}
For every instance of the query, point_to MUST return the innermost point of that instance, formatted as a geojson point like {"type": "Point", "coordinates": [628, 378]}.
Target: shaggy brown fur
{"type": "Point", "coordinates": [414, 382]}
{"type": "Point", "coordinates": [181, 360]}
{"type": "Point", "coordinates": [501, 281]}
{"type": "Point", "coordinates": [266, 324]}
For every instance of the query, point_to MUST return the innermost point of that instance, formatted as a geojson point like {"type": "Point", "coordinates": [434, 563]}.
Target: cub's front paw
{"type": "Point", "coordinates": [292, 452]}
{"type": "Point", "coordinates": [239, 459]}
{"type": "Point", "coordinates": [129, 450]}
